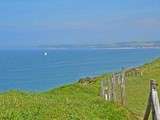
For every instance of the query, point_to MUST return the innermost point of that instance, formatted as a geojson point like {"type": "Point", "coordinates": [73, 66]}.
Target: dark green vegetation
{"type": "Point", "coordinates": [80, 101]}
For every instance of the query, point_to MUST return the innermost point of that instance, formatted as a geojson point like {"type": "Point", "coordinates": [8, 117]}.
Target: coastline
{"type": "Point", "coordinates": [81, 98]}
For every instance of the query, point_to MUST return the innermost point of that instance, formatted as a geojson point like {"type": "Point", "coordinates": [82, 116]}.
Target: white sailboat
{"type": "Point", "coordinates": [45, 53]}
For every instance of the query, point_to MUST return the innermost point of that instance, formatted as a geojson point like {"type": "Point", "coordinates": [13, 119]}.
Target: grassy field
{"type": "Point", "coordinates": [137, 88]}
{"type": "Point", "coordinates": [71, 102]}
{"type": "Point", "coordinates": [80, 101]}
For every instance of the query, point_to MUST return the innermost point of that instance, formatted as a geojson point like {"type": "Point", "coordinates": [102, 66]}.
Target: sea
{"type": "Point", "coordinates": [40, 70]}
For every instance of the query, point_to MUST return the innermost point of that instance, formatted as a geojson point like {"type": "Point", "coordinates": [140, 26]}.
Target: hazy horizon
{"type": "Point", "coordinates": [33, 23]}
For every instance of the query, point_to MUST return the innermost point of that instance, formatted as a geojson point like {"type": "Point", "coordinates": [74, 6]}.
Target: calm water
{"type": "Point", "coordinates": [31, 70]}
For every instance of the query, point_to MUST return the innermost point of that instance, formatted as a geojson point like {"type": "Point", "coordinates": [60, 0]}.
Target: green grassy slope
{"type": "Point", "coordinates": [71, 102]}
{"type": "Point", "coordinates": [79, 101]}
{"type": "Point", "coordinates": [137, 88]}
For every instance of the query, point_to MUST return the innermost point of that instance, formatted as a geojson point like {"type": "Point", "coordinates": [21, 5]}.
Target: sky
{"type": "Point", "coordinates": [28, 23]}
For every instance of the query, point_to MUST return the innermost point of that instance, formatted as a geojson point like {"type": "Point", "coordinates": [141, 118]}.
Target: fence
{"type": "Point", "coordinates": [113, 89]}
{"type": "Point", "coordinates": [153, 103]}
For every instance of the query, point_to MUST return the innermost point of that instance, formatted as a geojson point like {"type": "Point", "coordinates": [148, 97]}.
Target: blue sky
{"type": "Point", "coordinates": [46, 22]}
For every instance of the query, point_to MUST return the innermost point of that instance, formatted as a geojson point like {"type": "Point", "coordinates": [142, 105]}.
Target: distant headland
{"type": "Point", "coordinates": [122, 45]}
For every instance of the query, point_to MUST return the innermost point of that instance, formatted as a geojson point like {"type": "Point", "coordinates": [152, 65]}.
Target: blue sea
{"type": "Point", "coordinates": [30, 69]}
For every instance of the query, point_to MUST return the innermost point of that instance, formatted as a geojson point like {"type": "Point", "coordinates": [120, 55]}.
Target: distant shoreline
{"type": "Point", "coordinates": [82, 48]}
{"type": "Point", "coordinates": [102, 48]}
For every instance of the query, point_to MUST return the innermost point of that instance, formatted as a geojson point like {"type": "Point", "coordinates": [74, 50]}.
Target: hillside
{"type": "Point", "coordinates": [71, 102]}
{"type": "Point", "coordinates": [138, 87]}
{"type": "Point", "coordinates": [80, 101]}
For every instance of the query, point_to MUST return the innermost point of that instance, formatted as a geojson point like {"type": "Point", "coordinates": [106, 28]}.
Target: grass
{"type": "Point", "coordinates": [80, 101]}
{"type": "Point", "coordinates": [71, 102]}
{"type": "Point", "coordinates": [138, 87]}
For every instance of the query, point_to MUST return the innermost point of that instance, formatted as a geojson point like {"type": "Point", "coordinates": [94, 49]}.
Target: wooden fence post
{"type": "Point", "coordinates": [102, 89]}
{"type": "Point", "coordinates": [109, 89]}
{"type": "Point", "coordinates": [153, 102]}
{"type": "Point", "coordinates": [148, 109]}
{"type": "Point", "coordinates": [112, 88]}
{"type": "Point", "coordinates": [123, 87]}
